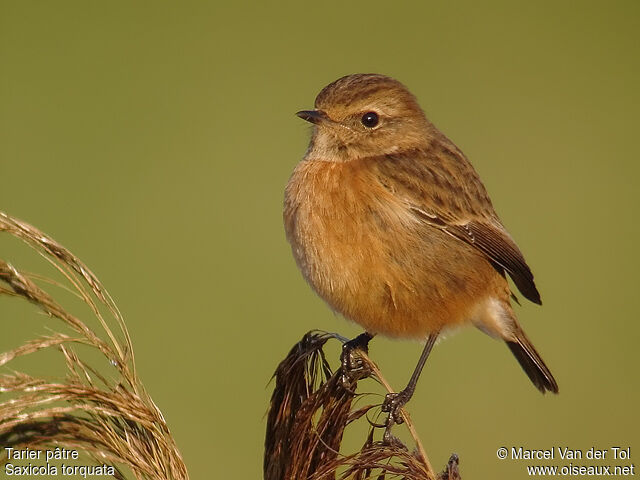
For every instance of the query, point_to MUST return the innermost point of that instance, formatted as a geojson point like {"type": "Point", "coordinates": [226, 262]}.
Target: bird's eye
{"type": "Point", "coordinates": [370, 119]}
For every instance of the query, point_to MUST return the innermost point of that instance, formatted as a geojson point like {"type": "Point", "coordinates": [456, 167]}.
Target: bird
{"type": "Point", "coordinates": [390, 224]}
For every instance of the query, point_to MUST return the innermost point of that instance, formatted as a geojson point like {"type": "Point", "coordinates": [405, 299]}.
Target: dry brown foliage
{"type": "Point", "coordinates": [311, 406]}
{"type": "Point", "coordinates": [108, 415]}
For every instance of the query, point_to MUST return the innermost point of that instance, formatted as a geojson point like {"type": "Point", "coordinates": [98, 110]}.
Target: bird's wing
{"type": "Point", "coordinates": [443, 190]}
{"type": "Point", "coordinates": [497, 245]}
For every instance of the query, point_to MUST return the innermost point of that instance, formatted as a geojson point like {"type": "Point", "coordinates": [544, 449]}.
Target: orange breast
{"type": "Point", "coordinates": [363, 252]}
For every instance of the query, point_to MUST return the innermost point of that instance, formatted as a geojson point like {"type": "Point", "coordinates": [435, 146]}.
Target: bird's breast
{"type": "Point", "coordinates": [364, 252]}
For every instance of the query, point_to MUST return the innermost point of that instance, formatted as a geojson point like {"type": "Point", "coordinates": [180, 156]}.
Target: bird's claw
{"type": "Point", "coordinates": [391, 440]}
{"type": "Point", "coordinates": [354, 367]}
{"type": "Point", "coordinates": [393, 403]}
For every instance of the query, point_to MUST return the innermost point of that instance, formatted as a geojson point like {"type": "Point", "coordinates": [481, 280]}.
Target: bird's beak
{"type": "Point", "coordinates": [313, 116]}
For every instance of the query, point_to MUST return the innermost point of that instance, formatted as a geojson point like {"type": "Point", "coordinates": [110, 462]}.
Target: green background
{"type": "Point", "coordinates": [154, 139]}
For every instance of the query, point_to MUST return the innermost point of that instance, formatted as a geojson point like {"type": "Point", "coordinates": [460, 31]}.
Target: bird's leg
{"type": "Point", "coordinates": [394, 402]}
{"type": "Point", "coordinates": [352, 365]}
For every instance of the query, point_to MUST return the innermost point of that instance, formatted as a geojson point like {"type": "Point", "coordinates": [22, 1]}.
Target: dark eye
{"type": "Point", "coordinates": [370, 119]}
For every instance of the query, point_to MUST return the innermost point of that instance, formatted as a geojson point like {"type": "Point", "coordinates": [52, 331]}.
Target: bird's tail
{"type": "Point", "coordinates": [531, 362]}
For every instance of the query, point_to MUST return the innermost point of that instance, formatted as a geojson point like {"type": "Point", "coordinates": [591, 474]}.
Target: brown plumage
{"type": "Point", "coordinates": [391, 225]}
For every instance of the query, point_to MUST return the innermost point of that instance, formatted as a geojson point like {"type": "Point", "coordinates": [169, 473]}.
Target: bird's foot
{"type": "Point", "coordinates": [354, 367]}
{"type": "Point", "coordinates": [393, 403]}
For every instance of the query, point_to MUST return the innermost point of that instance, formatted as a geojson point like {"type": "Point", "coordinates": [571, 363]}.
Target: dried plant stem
{"type": "Point", "coordinates": [312, 406]}
{"type": "Point", "coordinates": [405, 415]}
